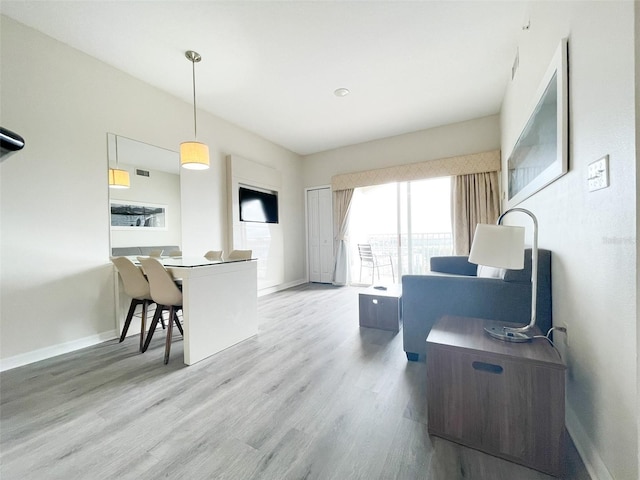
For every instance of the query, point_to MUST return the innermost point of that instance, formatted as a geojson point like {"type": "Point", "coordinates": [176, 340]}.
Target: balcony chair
{"type": "Point", "coordinates": [370, 260]}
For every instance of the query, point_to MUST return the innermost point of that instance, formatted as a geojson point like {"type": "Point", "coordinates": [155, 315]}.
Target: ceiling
{"type": "Point", "coordinates": [272, 67]}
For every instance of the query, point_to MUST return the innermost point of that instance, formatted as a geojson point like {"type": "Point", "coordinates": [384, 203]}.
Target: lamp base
{"type": "Point", "coordinates": [509, 334]}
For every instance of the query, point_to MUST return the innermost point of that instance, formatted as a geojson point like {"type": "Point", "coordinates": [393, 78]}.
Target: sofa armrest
{"type": "Point", "coordinates": [454, 264]}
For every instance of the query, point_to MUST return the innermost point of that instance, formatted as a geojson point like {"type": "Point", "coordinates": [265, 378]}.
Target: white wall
{"type": "Point", "coordinates": [592, 235]}
{"type": "Point", "coordinates": [57, 282]}
{"type": "Point", "coordinates": [463, 138]}
{"type": "Point", "coordinates": [637, 259]}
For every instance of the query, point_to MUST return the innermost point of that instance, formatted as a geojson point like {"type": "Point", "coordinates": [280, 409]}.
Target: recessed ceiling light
{"type": "Point", "coordinates": [341, 92]}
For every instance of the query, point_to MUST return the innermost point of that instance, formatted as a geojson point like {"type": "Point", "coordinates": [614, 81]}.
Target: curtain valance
{"type": "Point", "coordinates": [442, 167]}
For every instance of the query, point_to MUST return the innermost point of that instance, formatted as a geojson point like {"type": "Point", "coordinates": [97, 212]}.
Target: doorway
{"type": "Point", "coordinates": [409, 222]}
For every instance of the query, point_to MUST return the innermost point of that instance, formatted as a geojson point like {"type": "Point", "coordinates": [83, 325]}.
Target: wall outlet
{"type": "Point", "coordinates": [561, 334]}
{"type": "Point", "coordinates": [598, 174]}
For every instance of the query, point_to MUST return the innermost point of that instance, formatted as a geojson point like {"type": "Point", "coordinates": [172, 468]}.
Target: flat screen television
{"type": "Point", "coordinates": [258, 206]}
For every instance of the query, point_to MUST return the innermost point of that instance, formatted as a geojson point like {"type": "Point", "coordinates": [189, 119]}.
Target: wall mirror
{"type": "Point", "coordinates": [541, 154]}
{"type": "Point", "coordinates": [148, 212]}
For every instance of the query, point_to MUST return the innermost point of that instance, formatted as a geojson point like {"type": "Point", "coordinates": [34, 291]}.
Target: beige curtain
{"type": "Point", "coordinates": [476, 199]}
{"type": "Point", "coordinates": [341, 208]}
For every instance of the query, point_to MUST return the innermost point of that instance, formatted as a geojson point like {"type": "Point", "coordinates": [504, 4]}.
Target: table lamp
{"type": "Point", "coordinates": [503, 247]}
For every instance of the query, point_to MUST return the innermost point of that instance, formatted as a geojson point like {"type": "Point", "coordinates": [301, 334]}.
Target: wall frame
{"type": "Point", "coordinates": [541, 153]}
{"type": "Point", "coordinates": [128, 215]}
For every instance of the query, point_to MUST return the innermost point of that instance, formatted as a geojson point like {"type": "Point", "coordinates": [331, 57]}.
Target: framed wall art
{"type": "Point", "coordinates": [541, 153]}
{"type": "Point", "coordinates": [128, 215]}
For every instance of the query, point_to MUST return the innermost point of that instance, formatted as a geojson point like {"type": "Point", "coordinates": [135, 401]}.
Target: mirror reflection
{"type": "Point", "coordinates": [147, 213]}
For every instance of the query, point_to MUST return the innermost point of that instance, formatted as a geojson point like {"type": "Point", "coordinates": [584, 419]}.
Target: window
{"type": "Point", "coordinates": [410, 221]}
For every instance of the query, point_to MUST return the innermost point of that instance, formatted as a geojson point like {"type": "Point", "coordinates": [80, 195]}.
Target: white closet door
{"type": "Point", "coordinates": [320, 235]}
{"type": "Point", "coordinates": [313, 215]}
{"type": "Point", "coordinates": [326, 235]}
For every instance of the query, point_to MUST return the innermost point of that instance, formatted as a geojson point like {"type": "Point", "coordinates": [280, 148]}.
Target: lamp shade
{"type": "Point", "coordinates": [498, 246]}
{"type": "Point", "coordinates": [194, 155]}
{"type": "Point", "coordinates": [119, 178]}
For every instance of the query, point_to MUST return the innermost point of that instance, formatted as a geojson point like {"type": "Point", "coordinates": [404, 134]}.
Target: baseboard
{"type": "Point", "coordinates": [282, 286]}
{"type": "Point", "coordinates": [54, 350]}
{"type": "Point", "coordinates": [586, 449]}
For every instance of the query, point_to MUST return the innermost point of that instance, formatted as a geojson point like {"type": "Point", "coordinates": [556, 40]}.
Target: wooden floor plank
{"type": "Point", "coordinates": [312, 396]}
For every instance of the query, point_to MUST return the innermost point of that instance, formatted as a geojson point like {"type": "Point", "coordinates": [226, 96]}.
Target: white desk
{"type": "Point", "coordinates": [219, 304]}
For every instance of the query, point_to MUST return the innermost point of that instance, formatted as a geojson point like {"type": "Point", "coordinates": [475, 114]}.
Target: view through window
{"type": "Point", "coordinates": [408, 222]}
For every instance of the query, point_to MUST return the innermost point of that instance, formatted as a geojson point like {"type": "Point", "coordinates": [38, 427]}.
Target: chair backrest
{"type": "Point", "coordinates": [366, 254]}
{"type": "Point", "coordinates": [240, 255]}
{"type": "Point", "coordinates": [213, 255]}
{"type": "Point", "coordinates": [175, 253]}
{"type": "Point", "coordinates": [135, 285]}
{"type": "Point", "coordinates": [156, 253]}
{"type": "Point", "coordinates": [163, 289]}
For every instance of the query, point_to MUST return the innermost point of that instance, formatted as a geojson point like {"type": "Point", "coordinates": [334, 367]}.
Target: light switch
{"type": "Point", "coordinates": [599, 174]}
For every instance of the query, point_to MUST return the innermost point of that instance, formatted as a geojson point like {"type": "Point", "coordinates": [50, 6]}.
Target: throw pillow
{"type": "Point", "coordinates": [485, 271]}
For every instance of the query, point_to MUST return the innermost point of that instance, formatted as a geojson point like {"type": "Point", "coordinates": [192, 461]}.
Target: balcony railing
{"type": "Point", "coordinates": [423, 246]}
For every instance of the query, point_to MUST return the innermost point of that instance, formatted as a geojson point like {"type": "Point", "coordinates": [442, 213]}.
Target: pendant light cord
{"type": "Point", "coordinates": [195, 123]}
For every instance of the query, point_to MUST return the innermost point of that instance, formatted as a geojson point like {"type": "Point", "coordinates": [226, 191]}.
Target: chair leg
{"type": "Point", "coordinates": [152, 327]}
{"type": "Point", "coordinates": [167, 345]}
{"type": "Point", "coordinates": [177, 320]}
{"type": "Point", "coordinates": [360, 273]}
{"type": "Point", "coordinates": [127, 322]}
{"type": "Point", "coordinates": [143, 322]}
{"type": "Point", "coordinates": [393, 275]}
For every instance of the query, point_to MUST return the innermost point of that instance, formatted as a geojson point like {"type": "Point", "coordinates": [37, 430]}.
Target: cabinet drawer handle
{"type": "Point", "coordinates": [487, 367]}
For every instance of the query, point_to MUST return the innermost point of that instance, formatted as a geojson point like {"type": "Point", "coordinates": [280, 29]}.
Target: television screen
{"type": "Point", "coordinates": [258, 206]}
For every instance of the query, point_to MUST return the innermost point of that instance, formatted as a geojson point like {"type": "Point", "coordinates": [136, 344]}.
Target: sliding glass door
{"type": "Point", "coordinates": [406, 223]}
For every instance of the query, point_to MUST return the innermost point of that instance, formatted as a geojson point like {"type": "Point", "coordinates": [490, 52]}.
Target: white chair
{"type": "Point", "coordinates": [239, 255]}
{"type": "Point", "coordinates": [137, 287]}
{"type": "Point", "coordinates": [213, 255]}
{"type": "Point", "coordinates": [156, 253]}
{"type": "Point", "coordinates": [166, 295]}
{"type": "Point", "coordinates": [175, 253]}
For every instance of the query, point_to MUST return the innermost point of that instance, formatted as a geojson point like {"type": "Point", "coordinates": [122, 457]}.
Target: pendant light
{"type": "Point", "coordinates": [194, 155]}
{"type": "Point", "coordinates": [118, 178]}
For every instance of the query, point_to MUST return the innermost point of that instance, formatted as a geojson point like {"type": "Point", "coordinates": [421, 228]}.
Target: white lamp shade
{"type": "Point", "coordinates": [498, 246]}
{"type": "Point", "coordinates": [118, 178]}
{"type": "Point", "coordinates": [194, 155]}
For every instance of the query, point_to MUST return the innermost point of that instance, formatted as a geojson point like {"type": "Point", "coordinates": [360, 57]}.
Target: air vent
{"type": "Point", "coordinates": [142, 173]}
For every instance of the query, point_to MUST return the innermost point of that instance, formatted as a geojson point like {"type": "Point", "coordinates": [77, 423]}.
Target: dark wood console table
{"type": "Point", "coordinates": [506, 399]}
{"type": "Point", "coordinates": [381, 308]}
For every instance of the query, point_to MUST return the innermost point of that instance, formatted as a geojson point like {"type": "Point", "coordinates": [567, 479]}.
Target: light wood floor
{"type": "Point", "coordinates": [312, 396]}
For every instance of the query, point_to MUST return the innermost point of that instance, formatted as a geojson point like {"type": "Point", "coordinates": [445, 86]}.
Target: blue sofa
{"type": "Point", "coordinates": [453, 288]}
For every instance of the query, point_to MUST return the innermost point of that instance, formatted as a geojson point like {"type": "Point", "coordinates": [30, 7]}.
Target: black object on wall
{"type": "Point", "coordinates": [9, 142]}
{"type": "Point", "coordinates": [258, 206]}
